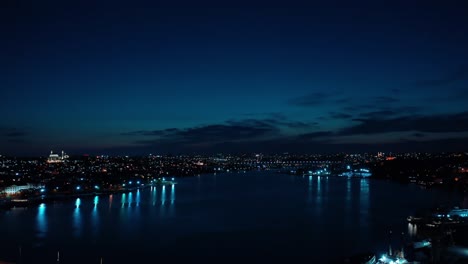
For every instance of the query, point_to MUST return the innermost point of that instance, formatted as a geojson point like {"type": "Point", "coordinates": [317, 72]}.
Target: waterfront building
{"type": "Point", "coordinates": [14, 189]}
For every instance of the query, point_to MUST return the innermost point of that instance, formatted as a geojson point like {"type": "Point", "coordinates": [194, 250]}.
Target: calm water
{"type": "Point", "coordinates": [257, 215]}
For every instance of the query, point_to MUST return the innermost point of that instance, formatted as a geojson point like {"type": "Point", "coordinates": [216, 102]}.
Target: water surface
{"type": "Point", "coordinates": [259, 215]}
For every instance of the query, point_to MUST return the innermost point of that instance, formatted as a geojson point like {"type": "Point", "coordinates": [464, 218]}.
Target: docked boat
{"type": "Point", "coordinates": [414, 219]}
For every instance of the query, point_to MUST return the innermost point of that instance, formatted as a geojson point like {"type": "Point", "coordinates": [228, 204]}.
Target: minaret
{"type": "Point", "coordinates": [62, 154]}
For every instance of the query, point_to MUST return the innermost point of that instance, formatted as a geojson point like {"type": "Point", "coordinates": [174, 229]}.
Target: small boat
{"type": "Point", "coordinates": [422, 244]}
{"type": "Point", "coordinates": [414, 219]}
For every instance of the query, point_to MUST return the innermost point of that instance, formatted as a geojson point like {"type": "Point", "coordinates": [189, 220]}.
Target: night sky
{"type": "Point", "coordinates": [193, 77]}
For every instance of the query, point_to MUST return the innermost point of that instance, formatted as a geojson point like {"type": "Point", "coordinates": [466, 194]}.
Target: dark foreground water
{"type": "Point", "coordinates": [256, 215]}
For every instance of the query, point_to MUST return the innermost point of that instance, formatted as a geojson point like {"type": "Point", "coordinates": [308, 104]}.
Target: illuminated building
{"type": "Point", "coordinates": [17, 188]}
{"type": "Point", "coordinates": [55, 158]}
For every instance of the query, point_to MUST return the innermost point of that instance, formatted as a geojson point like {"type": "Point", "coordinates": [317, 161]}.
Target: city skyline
{"type": "Point", "coordinates": [204, 78]}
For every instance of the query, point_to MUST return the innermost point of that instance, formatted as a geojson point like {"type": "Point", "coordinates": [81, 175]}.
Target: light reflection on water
{"type": "Point", "coordinates": [154, 195]}
{"type": "Point", "coordinates": [162, 210]}
{"type": "Point", "coordinates": [172, 193]}
{"type": "Point", "coordinates": [111, 198]}
{"type": "Point", "coordinates": [319, 196]}
{"type": "Point", "coordinates": [96, 201]}
{"type": "Point", "coordinates": [348, 194]}
{"type": "Point", "coordinates": [123, 200]}
{"type": "Point", "coordinates": [364, 201]}
{"type": "Point", "coordinates": [317, 191]}
{"type": "Point", "coordinates": [163, 195]}
{"type": "Point", "coordinates": [412, 229]}
{"type": "Point", "coordinates": [327, 200]}
{"type": "Point", "coordinates": [95, 215]}
{"type": "Point", "coordinates": [41, 220]}
{"type": "Point", "coordinates": [171, 206]}
{"type": "Point", "coordinates": [77, 225]}
{"type": "Point", "coordinates": [130, 199]}
{"type": "Point", "coordinates": [137, 197]}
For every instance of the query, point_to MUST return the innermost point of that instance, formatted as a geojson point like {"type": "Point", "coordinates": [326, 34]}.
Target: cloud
{"type": "Point", "coordinates": [278, 119]}
{"type": "Point", "coordinates": [384, 100]}
{"type": "Point", "coordinates": [459, 74]}
{"type": "Point", "coordinates": [356, 108]}
{"type": "Point", "coordinates": [316, 135]}
{"type": "Point", "coordinates": [248, 129]}
{"type": "Point", "coordinates": [377, 111]}
{"type": "Point", "coordinates": [273, 130]}
{"type": "Point", "coordinates": [316, 144]}
{"type": "Point", "coordinates": [11, 132]}
{"type": "Point", "coordinates": [395, 131]}
{"type": "Point", "coordinates": [375, 103]}
{"type": "Point", "coordinates": [17, 140]}
{"type": "Point", "coordinates": [339, 115]}
{"type": "Point", "coordinates": [457, 95]}
{"type": "Point", "coordinates": [379, 114]}
{"type": "Point", "coordinates": [15, 134]}
{"type": "Point", "coordinates": [10, 137]}
{"type": "Point", "coordinates": [418, 135]}
{"type": "Point", "coordinates": [150, 133]}
{"type": "Point", "coordinates": [436, 145]}
{"type": "Point", "coordinates": [312, 99]}
{"type": "Point", "coordinates": [290, 124]}
{"type": "Point", "coordinates": [217, 133]}
{"type": "Point", "coordinates": [231, 130]}
{"type": "Point", "coordinates": [281, 120]}
{"type": "Point", "coordinates": [343, 100]}
{"type": "Point", "coordinates": [229, 135]}
{"type": "Point", "coordinates": [457, 122]}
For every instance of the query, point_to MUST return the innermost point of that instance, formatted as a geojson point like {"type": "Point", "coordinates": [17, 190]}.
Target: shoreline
{"type": "Point", "coordinates": [34, 201]}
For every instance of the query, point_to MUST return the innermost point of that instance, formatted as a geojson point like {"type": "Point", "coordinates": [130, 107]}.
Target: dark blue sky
{"type": "Point", "coordinates": [138, 78]}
